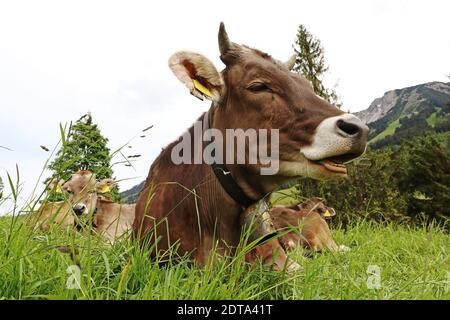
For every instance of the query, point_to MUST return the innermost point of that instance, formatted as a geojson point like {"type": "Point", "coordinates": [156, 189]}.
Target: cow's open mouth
{"type": "Point", "coordinates": [337, 164]}
{"type": "Point", "coordinates": [330, 165]}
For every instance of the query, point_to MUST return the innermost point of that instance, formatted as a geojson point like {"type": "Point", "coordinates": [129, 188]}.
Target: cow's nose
{"type": "Point", "coordinates": [79, 209]}
{"type": "Point", "coordinates": [351, 128]}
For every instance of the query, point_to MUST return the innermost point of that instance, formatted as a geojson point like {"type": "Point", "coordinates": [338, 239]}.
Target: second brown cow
{"type": "Point", "coordinates": [110, 219]}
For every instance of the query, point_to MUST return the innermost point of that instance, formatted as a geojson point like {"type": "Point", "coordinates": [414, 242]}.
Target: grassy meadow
{"type": "Point", "coordinates": [387, 261]}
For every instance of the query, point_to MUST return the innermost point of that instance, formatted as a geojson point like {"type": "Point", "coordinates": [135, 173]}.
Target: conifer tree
{"type": "Point", "coordinates": [427, 178]}
{"type": "Point", "coordinates": [310, 63]}
{"type": "Point", "coordinates": [85, 149]}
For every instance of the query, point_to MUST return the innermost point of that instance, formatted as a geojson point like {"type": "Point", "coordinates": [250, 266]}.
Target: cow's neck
{"type": "Point", "coordinates": [219, 214]}
{"type": "Point", "coordinates": [223, 174]}
{"type": "Point", "coordinates": [250, 187]}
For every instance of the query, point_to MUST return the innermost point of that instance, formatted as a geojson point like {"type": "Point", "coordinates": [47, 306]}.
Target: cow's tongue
{"type": "Point", "coordinates": [333, 166]}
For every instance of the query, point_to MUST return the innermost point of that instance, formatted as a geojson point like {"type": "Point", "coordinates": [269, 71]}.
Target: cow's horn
{"type": "Point", "coordinates": [291, 62]}
{"type": "Point", "coordinates": [224, 41]}
{"type": "Point", "coordinates": [229, 51]}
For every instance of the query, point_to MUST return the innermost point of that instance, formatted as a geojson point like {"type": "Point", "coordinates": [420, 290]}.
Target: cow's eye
{"type": "Point", "coordinates": [259, 87]}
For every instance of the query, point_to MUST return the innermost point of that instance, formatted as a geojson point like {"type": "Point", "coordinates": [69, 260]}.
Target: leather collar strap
{"type": "Point", "coordinates": [225, 178]}
{"type": "Point", "coordinates": [231, 186]}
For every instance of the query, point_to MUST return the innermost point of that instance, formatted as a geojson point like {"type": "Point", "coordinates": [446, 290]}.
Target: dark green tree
{"type": "Point", "coordinates": [84, 149]}
{"type": "Point", "coordinates": [310, 62]}
{"type": "Point", "coordinates": [427, 178]}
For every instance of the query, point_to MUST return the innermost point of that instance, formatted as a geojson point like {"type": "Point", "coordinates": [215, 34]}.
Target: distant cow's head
{"type": "Point", "coordinates": [83, 189]}
{"type": "Point", "coordinates": [80, 183]}
{"type": "Point", "coordinates": [314, 204]}
{"type": "Point", "coordinates": [256, 91]}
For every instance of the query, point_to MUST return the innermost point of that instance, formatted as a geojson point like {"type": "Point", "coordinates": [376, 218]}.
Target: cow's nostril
{"type": "Point", "coordinates": [348, 128]}
{"type": "Point", "coordinates": [79, 209]}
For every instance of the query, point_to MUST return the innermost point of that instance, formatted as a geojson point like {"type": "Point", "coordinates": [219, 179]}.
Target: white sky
{"type": "Point", "coordinates": [59, 59]}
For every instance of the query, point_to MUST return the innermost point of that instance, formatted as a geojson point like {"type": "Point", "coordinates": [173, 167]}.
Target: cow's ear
{"type": "Point", "coordinates": [105, 185]}
{"type": "Point", "coordinates": [198, 74]}
{"type": "Point", "coordinates": [59, 186]}
{"type": "Point", "coordinates": [56, 186]}
{"type": "Point", "coordinates": [329, 212]}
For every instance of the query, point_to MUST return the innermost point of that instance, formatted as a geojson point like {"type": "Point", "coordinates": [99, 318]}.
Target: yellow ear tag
{"type": "Point", "coordinates": [202, 88]}
{"type": "Point", "coordinates": [58, 189]}
{"type": "Point", "coordinates": [327, 214]}
{"type": "Point", "coordinates": [105, 189]}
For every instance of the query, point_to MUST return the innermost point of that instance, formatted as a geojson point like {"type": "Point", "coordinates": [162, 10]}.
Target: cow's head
{"type": "Point", "coordinates": [83, 191]}
{"type": "Point", "coordinates": [256, 91]}
{"type": "Point", "coordinates": [314, 204]}
{"type": "Point", "coordinates": [80, 183]}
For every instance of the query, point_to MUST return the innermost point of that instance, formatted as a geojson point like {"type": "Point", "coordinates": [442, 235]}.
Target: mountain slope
{"type": "Point", "coordinates": [432, 93]}
{"type": "Point", "coordinates": [131, 195]}
{"type": "Point", "coordinates": [408, 112]}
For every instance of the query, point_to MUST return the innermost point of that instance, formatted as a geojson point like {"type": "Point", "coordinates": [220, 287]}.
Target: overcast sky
{"type": "Point", "coordinates": [60, 59]}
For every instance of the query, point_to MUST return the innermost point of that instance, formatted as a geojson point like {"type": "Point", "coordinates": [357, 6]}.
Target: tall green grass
{"type": "Point", "coordinates": [34, 265]}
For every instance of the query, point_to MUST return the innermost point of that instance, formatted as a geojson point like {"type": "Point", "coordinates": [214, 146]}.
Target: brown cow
{"type": "Point", "coordinates": [308, 223]}
{"type": "Point", "coordinates": [111, 220]}
{"type": "Point", "coordinates": [188, 202]}
{"type": "Point", "coordinates": [58, 213]}
{"type": "Point", "coordinates": [303, 224]}
{"type": "Point", "coordinates": [62, 213]}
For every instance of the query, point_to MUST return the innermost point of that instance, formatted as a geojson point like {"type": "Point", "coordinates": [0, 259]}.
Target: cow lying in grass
{"type": "Point", "coordinates": [86, 203]}
{"type": "Point", "coordinates": [58, 213]}
{"type": "Point", "coordinates": [67, 212]}
{"type": "Point", "coordinates": [110, 219]}
{"type": "Point", "coordinates": [290, 226]}
{"type": "Point", "coordinates": [307, 225]}
{"type": "Point", "coordinates": [199, 203]}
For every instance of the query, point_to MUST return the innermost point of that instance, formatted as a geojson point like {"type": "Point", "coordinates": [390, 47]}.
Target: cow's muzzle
{"type": "Point", "coordinates": [79, 209]}
{"type": "Point", "coordinates": [337, 141]}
